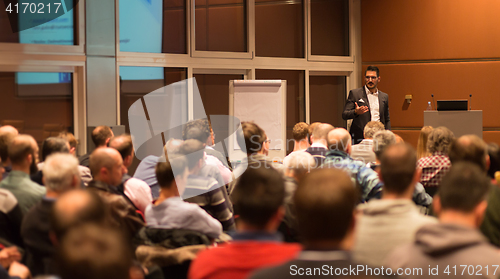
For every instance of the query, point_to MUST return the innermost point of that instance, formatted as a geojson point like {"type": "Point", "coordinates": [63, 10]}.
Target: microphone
{"type": "Point", "coordinates": [435, 107]}
{"type": "Point", "coordinates": [470, 102]}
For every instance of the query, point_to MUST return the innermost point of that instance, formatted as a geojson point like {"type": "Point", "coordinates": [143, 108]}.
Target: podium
{"type": "Point", "coordinates": [459, 122]}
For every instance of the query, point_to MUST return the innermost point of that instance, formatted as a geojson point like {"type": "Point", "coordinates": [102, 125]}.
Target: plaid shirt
{"type": "Point", "coordinates": [433, 169]}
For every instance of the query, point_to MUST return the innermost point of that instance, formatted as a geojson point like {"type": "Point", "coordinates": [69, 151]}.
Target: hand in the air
{"type": "Point", "coordinates": [360, 109]}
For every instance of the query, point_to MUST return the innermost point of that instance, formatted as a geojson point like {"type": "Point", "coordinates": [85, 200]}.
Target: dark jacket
{"type": "Point", "coordinates": [123, 214]}
{"type": "Point", "coordinates": [359, 121]}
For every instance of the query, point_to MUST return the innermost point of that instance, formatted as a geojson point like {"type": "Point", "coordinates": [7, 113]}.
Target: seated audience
{"type": "Point", "coordinates": [135, 189]}
{"type": "Point", "coordinates": [437, 165]}
{"type": "Point", "coordinates": [300, 133]}
{"type": "Point", "coordinates": [203, 190]}
{"type": "Point", "coordinates": [100, 137]}
{"type": "Point", "coordinates": [319, 143]}
{"type": "Point", "coordinates": [363, 151]}
{"type": "Point", "coordinates": [456, 240]}
{"type": "Point", "coordinates": [422, 142]}
{"type": "Point", "coordinates": [393, 220]}
{"type": "Point", "coordinates": [325, 201]}
{"type": "Point", "coordinates": [107, 168]}
{"type": "Point", "coordinates": [23, 154]}
{"type": "Point", "coordinates": [60, 175]}
{"type": "Point", "coordinates": [53, 145]}
{"type": "Point", "coordinates": [259, 197]}
{"type": "Point", "coordinates": [170, 211]}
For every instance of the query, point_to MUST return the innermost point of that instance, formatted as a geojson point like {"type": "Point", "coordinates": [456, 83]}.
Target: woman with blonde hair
{"type": "Point", "coordinates": [422, 142]}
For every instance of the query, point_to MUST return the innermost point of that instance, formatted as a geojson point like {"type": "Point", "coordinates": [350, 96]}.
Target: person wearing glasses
{"type": "Point", "coordinates": [367, 104]}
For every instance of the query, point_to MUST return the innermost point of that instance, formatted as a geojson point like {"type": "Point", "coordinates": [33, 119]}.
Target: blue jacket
{"type": "Point", "coordinates": [367, 179]}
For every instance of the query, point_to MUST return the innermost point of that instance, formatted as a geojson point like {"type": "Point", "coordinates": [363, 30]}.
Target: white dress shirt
{"type": "Point", "coordinates": [374, 105]}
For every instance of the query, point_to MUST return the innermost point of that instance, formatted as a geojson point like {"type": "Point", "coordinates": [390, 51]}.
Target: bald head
{"type": "Point", "coordinates": [23, 151]}
{"type": "Point", "coordinates": [106, 165]}
{"type": "Point", "coordinates": [76, 207]}
{"type": "Point", "coordinates": [339, 139]}
{"type": "Point", "coordinates": [7, 134]}
{"type": "Point", "coordinates": [320, 132]}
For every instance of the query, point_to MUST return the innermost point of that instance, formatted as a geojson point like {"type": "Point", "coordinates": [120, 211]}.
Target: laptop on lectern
{"type": "Point", "coordinates": [445, 105]}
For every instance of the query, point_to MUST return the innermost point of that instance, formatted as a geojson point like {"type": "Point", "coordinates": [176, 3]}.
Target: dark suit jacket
{"type": "Point", "coordinates": [359, 121]}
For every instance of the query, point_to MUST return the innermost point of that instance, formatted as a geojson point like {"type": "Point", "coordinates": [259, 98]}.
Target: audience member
{"type": "Point", "coordinates": [381, 140]}
{"type": "Point", "coordinates": [10, 218]}
{"type": "Point", "coordinates": [23, 154]}
{"type": "Point", "coordinates": [300, 163]}
{"type": "Point", "coordinates": [70, 138]}
{"type": "Point", "coordinates": [100, 137]}
{"type": "Point", "coordinates": [85, 175]}
{"type": "Point", "coordinates": [437, 165]}
{"type": "Point", "coordinates": [422, 142]}
{"type": "Point", "coordinates": [256, 144]}
{"type": "Point", "coordinates": [207, 137]}
{"type": "Point", "coordinates": [60, 175]}
{"type": "Point", "coordinates": [472, 149]}
{"type": "Point", "coordinates": [311, 129]}
{"type": "Point", "coordinates": [203, 190]}
{"type": "Point", "coordinates": [53, 145]}
{"type": "Point", "coordinates": [363, 151]}
{"type": "Point", "coordinates": [7, 134]}
{"type": "Point", "coordinates": [94, 252]}
{"type": "Point", "coordinates": [325, 201]}
{"type": "Point", "coordinates": [74, 208]}
{"type": "Point", "coordinates": [300, 133]}
{"type": "Point", "coordinates": [339, 143]}
{"type": "Point", "coordinates": [319, 144]}
{"type": "Point", "coordinates": [204, 136]}
{"type": "Point", "coordinates": [107, 168]}
{"type": "Point", "coordinates": [393, 220]}
{"type": "Point", "coordinates": [135, 189]}
{"type": "Point", "coordinates": [456, 240]}
{"type": "Point", "coordinates": [170, 211]}
{"type": "Point", "coordinates": [259, 197]}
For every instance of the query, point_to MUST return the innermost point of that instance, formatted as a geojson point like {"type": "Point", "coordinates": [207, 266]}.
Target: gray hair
{"type": "Point", "coordinates": [59, 170]}
{"type": "Point", "coordinates": [381, 140]}
{"type": "Point", "coordinates": [371, 128]}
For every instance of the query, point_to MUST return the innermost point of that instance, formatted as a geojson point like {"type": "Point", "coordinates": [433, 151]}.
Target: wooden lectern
{"type": "Point", "coordinates": [459, 122]}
